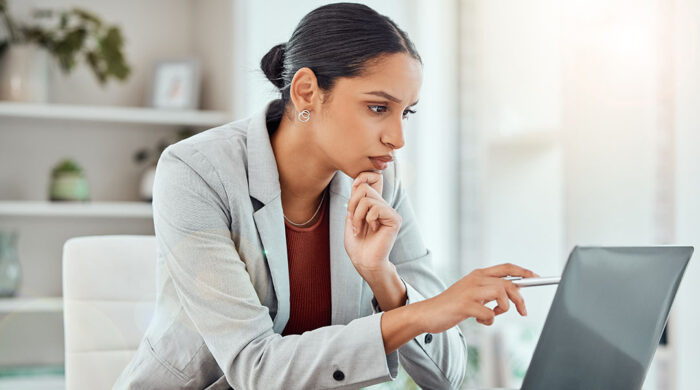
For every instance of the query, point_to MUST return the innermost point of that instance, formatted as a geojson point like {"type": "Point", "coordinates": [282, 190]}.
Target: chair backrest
{"type": "Point", "coordinates": [109, 292]}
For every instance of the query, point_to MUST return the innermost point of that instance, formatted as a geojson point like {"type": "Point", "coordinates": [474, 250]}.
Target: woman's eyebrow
{"type": "Point", "coordinates": [387, 96]}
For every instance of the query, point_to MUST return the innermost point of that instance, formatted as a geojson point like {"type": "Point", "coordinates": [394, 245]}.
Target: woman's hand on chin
{"type": "Point", "coordinates": [371, 225]}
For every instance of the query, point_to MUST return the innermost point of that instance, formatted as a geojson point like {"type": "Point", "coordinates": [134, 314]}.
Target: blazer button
{"type": "Point", "coordinates": [338, 375]}
{"type": "Point", "coordinates": [428, 338]}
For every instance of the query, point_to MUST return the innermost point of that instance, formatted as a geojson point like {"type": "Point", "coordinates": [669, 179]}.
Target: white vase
{"type": "Point", "coordinates": [146, 187]}
{"type": "Point", "coordinates": [24, 73]}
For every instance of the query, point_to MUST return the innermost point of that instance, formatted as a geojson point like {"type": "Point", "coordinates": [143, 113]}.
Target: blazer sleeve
{"type": "Point", "coordinates": [433, 361]}
{"type": "Point", "coordinates": [191, 219]}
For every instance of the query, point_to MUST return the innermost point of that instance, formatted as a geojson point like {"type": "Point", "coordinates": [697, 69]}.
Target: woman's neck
{"type": "Point", "coordinates": [303, 169]}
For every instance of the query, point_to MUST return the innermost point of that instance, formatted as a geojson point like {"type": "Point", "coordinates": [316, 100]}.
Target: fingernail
{"type": "Point", "coordinates": [348, 213]}
{"type": "Point", "coordinates": [354, 231]}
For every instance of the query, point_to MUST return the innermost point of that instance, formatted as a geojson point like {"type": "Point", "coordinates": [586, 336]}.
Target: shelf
{"type": "Point", "coordinates": [31, 305]}
{"type": "Point", "coordinates": [76, 209]}
{"type": "Point", "coordinates": [140, 115]}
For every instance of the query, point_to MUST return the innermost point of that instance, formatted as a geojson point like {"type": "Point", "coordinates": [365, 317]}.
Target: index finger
{"type": "Point", "coordinates": [514, 295]}
{"type": "Point", "coordinates": [374, 179]}
{"type": "Point", "coordinates": [508, 269]}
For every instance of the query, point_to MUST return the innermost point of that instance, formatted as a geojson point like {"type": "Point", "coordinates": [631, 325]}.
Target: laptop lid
{"type": "Point", "coordinates": [607, 317]}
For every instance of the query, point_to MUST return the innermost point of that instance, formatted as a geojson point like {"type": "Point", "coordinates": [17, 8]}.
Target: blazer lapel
{"type": "Point", "coordinates": [263, 183]}
{"type": "Point", "coordinates": [346, 283]}
{"type": "Point", "coordinates": [270, 226]}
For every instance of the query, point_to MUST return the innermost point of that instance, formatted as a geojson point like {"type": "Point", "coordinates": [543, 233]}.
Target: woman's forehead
{"type": "Point", "coordinates": [399, 78]}
{"type": "Point", "coordinates": [396, 64]}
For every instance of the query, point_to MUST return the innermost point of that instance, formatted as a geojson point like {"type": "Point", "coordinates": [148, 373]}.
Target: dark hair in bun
{"type": "Point", "coordinates": [334, 40]}
{"type": "Point", "coordinates": [273, 64]}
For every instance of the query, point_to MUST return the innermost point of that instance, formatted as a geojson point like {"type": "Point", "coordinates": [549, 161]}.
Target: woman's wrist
{"type": "Point", "coordinates": [377, 274]}
{"type": "Point", "coordinates": [387, 286]}
{"type": "Point", "coordinates": [420, 312]}
{"type": "Point", "coordinates": [400, 326]}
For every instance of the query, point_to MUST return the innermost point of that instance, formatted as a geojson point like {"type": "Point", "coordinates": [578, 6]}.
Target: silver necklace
{"type": "Point", "coordinates": [312, 217]}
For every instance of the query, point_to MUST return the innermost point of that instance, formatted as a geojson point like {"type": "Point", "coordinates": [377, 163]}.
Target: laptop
{"type": "Point", "coordinates": [607, 317]}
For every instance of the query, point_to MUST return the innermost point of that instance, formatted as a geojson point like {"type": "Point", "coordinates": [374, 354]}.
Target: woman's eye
{"type": "Point", "coordinates": [382, 109]}
{"type": "Point", "coordinates": [379, 107]}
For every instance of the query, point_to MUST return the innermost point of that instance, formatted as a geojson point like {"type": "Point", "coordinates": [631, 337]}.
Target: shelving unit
{"type": "Point", "coordinates": [100, 127]}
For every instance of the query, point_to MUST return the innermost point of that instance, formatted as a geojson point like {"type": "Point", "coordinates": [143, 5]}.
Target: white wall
{"type": "Point", "coordinates": [631, 82]}
{"type": "Point", "coordinates": [609, 112]}
{"type": "Point", "coordinates": [686, 314]}
{"type": "Point", "coordinates": [611, 84]}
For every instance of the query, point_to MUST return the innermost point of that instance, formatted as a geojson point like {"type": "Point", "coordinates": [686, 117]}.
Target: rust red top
{"type": "Point", "coordinates": [308, 254]}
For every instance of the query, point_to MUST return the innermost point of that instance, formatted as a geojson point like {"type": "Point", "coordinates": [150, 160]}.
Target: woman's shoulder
{"type": "Point", "coordinates": [226, 140]}
{"type": "Point", "coordinates": [218, 155]}
{"type": "Point", "coordinates": [224, 145]}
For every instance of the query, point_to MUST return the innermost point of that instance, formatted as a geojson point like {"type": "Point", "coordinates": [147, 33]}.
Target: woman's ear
{"type": "Point", "coordinates": [304, 91]}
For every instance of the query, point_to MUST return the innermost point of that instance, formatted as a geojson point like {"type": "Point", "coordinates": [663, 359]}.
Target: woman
{"type": "Point", "coordinates": [288, 253]}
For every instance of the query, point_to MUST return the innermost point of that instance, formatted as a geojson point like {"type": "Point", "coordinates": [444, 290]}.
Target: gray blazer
{"type": "Point", "coordinates": [223, 283]}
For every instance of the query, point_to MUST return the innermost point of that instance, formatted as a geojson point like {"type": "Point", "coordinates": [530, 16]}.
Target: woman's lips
{"type": "Point", "coordinates": [380, 162]}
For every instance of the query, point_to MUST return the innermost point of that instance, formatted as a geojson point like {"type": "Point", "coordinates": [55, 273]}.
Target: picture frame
{"type": "Point", "coordinates": [175, 84]}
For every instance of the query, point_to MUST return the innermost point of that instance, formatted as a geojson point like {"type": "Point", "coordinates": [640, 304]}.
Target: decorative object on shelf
{"type": "Point", "coordinates": [151, 156]}
{"type": "Point", "coordinates": [175, 84]}
{"type": "Point", "coordinates": [68, 182]}
{"type": "Point", "coordinates": [66, 35]}
{"type": "Point", "coordinates": [10, 270]}
{"type": "Point", "coordinates": [24, 73]}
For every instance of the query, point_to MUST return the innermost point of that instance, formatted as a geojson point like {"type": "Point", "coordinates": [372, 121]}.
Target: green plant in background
{"type": "Point", "coordinates": [150, 156]}
{"type": "Point", "coordinates": [472, 360]}
{"type": "Point", "coordinates": [71, 34]}
{"type": "Point", "coordinates": [475, 338]}
{"type": "Point", "coordinates": [68, 182]}
{"type": "Point", "coordinates": [66, 166]}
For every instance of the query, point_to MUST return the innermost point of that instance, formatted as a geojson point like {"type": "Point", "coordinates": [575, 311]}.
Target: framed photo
{"type": "Point", "coordinates": [175, 84]}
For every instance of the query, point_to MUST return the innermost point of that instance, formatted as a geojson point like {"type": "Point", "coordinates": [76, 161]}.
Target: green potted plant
{"type": "Point", "coordinates": [68, 182]}
{"type": "Point", "coordinates": [66, 35]}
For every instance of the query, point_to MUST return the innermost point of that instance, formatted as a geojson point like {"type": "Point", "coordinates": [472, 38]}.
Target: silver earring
{"type": "Point", "coordinates": [304, 115]}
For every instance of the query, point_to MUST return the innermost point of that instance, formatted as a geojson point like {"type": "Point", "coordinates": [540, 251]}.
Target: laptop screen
{"type": "Point", "coordinates": [607, 317]}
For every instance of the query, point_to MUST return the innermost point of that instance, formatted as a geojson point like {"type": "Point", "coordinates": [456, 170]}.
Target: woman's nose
{"type": "Point", "coordinates": [394, 136]}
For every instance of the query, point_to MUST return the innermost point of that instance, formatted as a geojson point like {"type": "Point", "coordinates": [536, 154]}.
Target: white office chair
{"type": "Point", "coordinates": [109, 292]}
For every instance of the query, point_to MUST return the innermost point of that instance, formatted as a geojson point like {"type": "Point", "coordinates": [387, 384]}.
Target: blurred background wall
{"type": "Point", "coordinates": [541, 125]}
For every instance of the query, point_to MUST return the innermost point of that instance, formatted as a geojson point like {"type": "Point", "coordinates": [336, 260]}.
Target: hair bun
{"type": "Point", "coordinates": [272, 64]}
